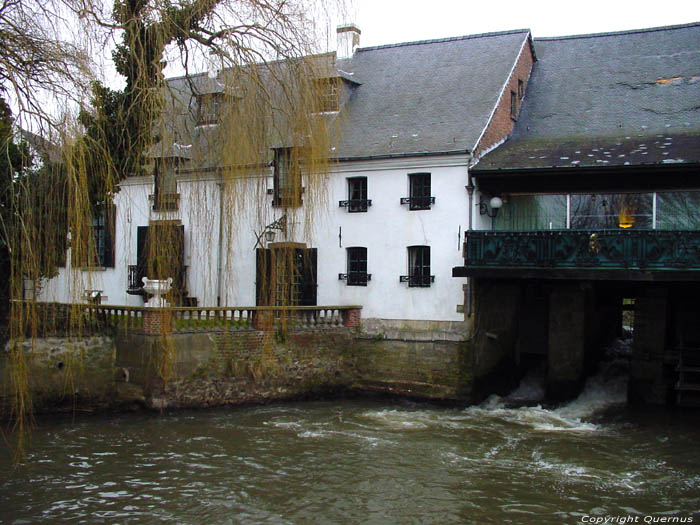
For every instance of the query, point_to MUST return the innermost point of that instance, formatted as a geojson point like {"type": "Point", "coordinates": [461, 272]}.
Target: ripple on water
{"type": "Point", "coordinates": [355, 462]}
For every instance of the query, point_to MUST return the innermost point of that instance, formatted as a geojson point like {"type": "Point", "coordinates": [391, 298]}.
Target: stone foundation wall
{"type": "Point", "coordinates": [201, 369]}
{"type": "Point", "coordinates": [421, 369]}
{"type": "Point", "coordinates": [61, 372]}
{"type": "Point", "coordinates": [220, 368]}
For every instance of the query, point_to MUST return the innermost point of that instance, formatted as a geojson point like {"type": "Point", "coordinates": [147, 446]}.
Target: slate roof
{"type": "Point", "coordinates": [625, 98]}
{"type": "Point", "coordinates": [422, 97]}
{"type": "Point", "coordinates": [428, 96]}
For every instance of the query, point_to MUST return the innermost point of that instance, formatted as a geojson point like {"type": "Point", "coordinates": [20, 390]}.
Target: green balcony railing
{"type": "Point", "coordinates": [584, 249]}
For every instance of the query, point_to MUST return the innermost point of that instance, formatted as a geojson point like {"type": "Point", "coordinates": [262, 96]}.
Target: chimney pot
{"type": "Point", "coordinates": [348, 40]}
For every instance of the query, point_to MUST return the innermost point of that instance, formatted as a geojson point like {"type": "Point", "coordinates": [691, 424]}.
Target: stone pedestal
{"type": "Point", "coordinates": [157, 321]}
{"type": "Point", "coordinates": [351, 318]}
{"type": "Point", "coordinates": [264, 320]}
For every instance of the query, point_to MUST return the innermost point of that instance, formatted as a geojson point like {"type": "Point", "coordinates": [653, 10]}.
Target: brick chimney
{"type": "Point", "coordinates": [348, 40]}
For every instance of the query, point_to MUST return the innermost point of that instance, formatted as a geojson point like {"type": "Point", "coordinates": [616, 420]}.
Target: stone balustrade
{"type": "Point", "coordinates": [62, 318]}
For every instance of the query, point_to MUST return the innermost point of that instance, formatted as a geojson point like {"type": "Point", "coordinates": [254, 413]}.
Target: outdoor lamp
{"type": "Point", "coordinates": [495, 203]}
{"type": "Point", "coordinates": [269, 235]}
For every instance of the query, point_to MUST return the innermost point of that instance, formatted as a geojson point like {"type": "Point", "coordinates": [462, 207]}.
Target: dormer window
{"type": "Point", "coordinates": [209, 108]}
{"type": "Point", "coordinates": [513, 105]}
{"type": "Point", "coordinates": [327, 96]}
{"type": "Point", "coordinates": [287, 178]}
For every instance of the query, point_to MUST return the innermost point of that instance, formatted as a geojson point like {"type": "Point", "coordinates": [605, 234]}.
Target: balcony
{"type": "Point", "coordinates": [588, 254]}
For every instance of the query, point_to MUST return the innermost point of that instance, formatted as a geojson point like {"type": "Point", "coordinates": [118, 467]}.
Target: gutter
{"type": "Point", "coordinates": [400, 155]}
{"type": "Point", "coordinates": [585, 169]}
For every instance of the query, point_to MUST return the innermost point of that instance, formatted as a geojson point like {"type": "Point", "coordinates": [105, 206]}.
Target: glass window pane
{"type": "Point", "coordinates": [532, 212]}
{"type": "Point", "coordinates": [678, 210]}
{"type": "Point", "coordinates": [611, 211]}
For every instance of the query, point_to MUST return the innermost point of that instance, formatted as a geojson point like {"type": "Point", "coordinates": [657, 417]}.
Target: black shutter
{"type": "Point", "coordinates": [263, 272]}
{"type": "Point", "coordinates": [141, 252]}
{"type": "Point", "coordinates": [308, 283]}
{"type": "Point", "coordinates": [110, 235]}
{"type": "Point", "coordinates": [178, 239]}
{"type": "Point", "coordinates": [180, 246]}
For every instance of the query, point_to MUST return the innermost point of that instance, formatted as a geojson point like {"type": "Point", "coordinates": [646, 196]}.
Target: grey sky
{"type": "Point", "coordinates": [391, 21]}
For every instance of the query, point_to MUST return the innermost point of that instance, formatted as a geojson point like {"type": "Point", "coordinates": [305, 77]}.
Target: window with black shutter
{"type": "Point", "coordinates": [101, 253]}
{"type": "Point", "coordinates": [287, 178]}
{"type": "Point", "coordinates": [357, 267]}
{"type": "Point", "coordinates": [160, 254]}
{"type": "Point", "coordinates": [419, 191]}
{"type": "Point", "coordinates": [418, 267]}
{"type": "Point", "coordinates": [286, 276]}
{"type": "Point", "coordinates": [357, 195]}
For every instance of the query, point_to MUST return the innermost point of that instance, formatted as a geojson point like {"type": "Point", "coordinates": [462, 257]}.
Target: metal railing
{"type": "Point", "coordinates": [589, 249]}
{"type": "Point", "coordinates": [355, 205]}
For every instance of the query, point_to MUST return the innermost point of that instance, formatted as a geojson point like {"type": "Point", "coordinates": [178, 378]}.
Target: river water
{"type": "Point", "coordinates": [367, 461]}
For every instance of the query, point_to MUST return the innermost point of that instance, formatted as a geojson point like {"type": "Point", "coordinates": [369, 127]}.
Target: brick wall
{"type": "Point", "coordinates": [157, 321]}
{"type": "Point", "coordinates": [502, 123]}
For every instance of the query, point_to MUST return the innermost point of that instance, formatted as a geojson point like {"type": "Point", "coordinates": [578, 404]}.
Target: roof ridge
{"type": "Point", "coordinates": [448, 39]}
{"type": "Point", "coordinates": [616, 33]}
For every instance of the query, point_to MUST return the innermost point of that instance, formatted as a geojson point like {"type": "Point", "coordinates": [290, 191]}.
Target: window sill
{"type": "Point", "coordinates": [94, 268]}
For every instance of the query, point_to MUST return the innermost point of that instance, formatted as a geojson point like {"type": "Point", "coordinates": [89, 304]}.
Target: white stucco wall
{"type": "Point", "coordinates": [386, 230]}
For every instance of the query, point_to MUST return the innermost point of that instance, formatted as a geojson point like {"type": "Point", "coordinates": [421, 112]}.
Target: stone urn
{"type": "Point", "coordinates": [157, 288]}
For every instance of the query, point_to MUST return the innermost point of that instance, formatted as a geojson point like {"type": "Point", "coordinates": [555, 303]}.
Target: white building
{"type": "Point", "coordinates": [385, 231]}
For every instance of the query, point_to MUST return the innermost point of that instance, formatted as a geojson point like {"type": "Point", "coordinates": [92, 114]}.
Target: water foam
{"type": "Point", "coordinates": [606, 389]}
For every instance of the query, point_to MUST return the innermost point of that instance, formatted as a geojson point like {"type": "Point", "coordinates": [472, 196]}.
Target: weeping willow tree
{"type": "Point", "coordinates": [270, 99]}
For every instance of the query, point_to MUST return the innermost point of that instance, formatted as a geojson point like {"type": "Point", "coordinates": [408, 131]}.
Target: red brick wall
{"type": "Point", "coordinates": [501, 123]}
{"type": "Point", "coordinates": [157, 321]}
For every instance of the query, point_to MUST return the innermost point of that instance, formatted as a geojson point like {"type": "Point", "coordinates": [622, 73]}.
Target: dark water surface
{"type": "Point", "coordinates": [364, 461]}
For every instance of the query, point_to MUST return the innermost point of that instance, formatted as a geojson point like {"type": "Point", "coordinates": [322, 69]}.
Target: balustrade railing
{"type": "Point", "coordinates": [187, 319]}
{"type": "Point", "coordinates": [58, 319]}
{"type": "Point", "coordinates": [588, 249]}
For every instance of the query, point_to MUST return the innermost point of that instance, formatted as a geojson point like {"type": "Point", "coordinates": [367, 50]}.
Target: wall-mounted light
{"type": "Point", "coordinates": [495, 203]}
{"type": "Point", "coordinates": [268, 232]}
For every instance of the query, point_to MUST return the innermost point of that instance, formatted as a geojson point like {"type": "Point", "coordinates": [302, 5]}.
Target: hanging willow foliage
{"type": "Point", "coordinates": [266, 96]}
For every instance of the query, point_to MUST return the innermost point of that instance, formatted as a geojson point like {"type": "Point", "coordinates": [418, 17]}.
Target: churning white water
{"type": "Point", "coordinates": [606, 389]}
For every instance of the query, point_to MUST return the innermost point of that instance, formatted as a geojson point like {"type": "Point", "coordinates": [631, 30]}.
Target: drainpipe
{"type": "Point", "coordinates": [221, 237]}
{"type": "Point", "coordinates": [470, 191]}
